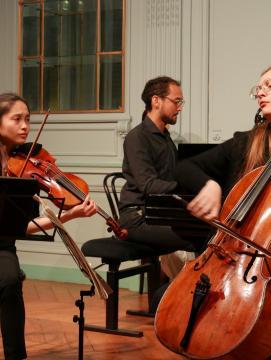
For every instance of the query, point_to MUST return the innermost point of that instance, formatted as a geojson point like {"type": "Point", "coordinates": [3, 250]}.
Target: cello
{"type": "Point", "coordinates": [219, 305]}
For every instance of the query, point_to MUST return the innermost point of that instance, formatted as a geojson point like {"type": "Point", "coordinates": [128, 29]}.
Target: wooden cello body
{"type": "Point", "coordinates": [219, 305]}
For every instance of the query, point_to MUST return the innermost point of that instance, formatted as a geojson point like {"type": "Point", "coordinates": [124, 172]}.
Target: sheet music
{"type": "Point", "coordinates": [102, 287]}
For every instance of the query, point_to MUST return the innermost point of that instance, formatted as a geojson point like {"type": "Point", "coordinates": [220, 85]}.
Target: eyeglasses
{"type": "Point", "coordinates": [177, 102]}
{"type": "Point", "coordinates": [265, 87]}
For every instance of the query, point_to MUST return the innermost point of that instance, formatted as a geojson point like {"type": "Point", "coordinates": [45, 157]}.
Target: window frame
{"type": "Point", "coordinates": [99, 54]}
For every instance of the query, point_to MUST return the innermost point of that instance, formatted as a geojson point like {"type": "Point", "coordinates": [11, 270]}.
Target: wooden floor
{"type": "Point", "coordinates": [51, 333]}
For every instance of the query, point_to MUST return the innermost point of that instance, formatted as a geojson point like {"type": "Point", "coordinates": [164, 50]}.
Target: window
{"type": "Point", "coordinates": [72, 55]}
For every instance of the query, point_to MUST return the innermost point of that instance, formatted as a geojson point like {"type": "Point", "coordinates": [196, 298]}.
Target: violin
{"type": "Point", "coordinates": [58, 185]}
{"type": "Point", "coordinates": [219, 305]}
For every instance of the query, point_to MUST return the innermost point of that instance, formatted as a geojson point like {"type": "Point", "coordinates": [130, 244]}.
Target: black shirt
{"type": "Point", "coordinates": [222, 163]}
{"type": "Point", "coordinates": [9, 243]}
{"type": "Point", "coordinates": [149, 162]}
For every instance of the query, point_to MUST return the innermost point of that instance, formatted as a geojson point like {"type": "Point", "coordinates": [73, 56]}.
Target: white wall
{"type": "Point", "coordinates": [8, 45]}
{"type": "Point", "coordinates": [216, 47]}
{"type": "Point", "coordinates": [239, 51]}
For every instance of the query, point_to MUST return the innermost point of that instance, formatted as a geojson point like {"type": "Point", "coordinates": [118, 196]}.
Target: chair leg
{"type": "Point", "coordinates": [141, 284]}
{"type": "Point", "coordinates": [112, 303]}
{"type": "Point", "coordinates": [112, 308]}
{"type": "Point", "coordinates": [153, 279]}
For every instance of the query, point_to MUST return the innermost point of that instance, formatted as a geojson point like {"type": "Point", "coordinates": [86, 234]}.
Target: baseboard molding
{"type": "Point", "coordinates": [54, 273]}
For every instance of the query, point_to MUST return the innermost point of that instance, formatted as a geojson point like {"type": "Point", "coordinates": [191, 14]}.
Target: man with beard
{"type": "Point", "coordinates": [149, 162]}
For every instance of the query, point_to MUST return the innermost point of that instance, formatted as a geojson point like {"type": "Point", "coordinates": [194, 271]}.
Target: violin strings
{"type": "Point", "coordinates": [68, 184]}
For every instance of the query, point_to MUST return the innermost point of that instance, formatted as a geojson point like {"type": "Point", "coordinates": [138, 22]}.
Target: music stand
{"type": "Point", "coordinates": [18, 208]}
{"type": "Point", "coordinates": [164, 209]}
{"type": "Point", "coordinates": [16, 205]}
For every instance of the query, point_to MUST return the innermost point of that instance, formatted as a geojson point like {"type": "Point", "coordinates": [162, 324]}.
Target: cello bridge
{"type": "Point", "coordinates": [222, 253]}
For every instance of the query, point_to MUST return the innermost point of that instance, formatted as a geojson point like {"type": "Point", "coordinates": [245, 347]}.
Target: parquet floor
{"type": "Point", "coordinates": [51, 333]}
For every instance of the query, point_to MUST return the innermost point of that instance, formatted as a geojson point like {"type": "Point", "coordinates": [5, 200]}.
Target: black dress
{"type": "Point", "coordinates": [12, 310]}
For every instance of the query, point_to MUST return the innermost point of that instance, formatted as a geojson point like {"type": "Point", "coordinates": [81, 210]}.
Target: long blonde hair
{"type": "Point", "coordinates": [255, 154]}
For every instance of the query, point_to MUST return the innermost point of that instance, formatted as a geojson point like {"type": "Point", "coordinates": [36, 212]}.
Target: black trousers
{"type": "Point", "coordinates": [12, 312]}
{"type": "Point", "coordinates": [160, 237]}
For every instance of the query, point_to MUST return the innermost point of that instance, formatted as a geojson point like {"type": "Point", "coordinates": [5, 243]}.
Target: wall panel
{"type": "Point", "coordinates": [239, 51]}
{"type": "Point", "coordinates": [216, 47]}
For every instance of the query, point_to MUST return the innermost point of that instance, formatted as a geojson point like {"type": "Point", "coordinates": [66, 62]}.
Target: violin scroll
{"type": "Point", "coordinates": [115, 227]}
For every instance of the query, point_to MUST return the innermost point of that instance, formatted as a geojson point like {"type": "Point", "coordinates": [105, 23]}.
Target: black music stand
{"type": "Point", "coordinates": [18, 208]}
{"type": "Point", "coordinates": [165, 209]}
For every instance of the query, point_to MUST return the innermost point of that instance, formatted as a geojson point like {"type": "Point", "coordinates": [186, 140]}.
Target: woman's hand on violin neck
{"type": "Point", "coordinates": [207, 203]}
{"type": "Point", "coordinates": [85, 209]}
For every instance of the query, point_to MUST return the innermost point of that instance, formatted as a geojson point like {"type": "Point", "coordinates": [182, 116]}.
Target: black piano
{"type": "Point", "coordinates": [187, 150]}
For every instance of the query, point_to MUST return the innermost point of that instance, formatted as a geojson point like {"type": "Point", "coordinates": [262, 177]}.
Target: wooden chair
{"type": "Point", "coordinates": [113, 252]}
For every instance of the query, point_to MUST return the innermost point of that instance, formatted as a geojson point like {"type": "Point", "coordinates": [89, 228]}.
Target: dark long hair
{"type": "Point", "coordinates": [158, 86]}
{"type": "Point", "coordinates": [7, 100]}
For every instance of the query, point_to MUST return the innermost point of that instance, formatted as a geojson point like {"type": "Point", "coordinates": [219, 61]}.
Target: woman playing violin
{"type": "Point", "coordinates": [14, 129]}
{"type": "Point", "coordinates": [213, 173]}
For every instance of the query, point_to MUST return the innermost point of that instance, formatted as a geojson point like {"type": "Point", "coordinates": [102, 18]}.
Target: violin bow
{"type": "Point", "coordinates": [220, 226]}
{"type": "Point", "coordinates": [34, 143]}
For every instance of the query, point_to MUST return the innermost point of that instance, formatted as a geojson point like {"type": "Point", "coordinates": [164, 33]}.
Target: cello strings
{"type": "Point", "coordinates": [252, 189]}
{"type": "Point", "coordinates": [248, 198]}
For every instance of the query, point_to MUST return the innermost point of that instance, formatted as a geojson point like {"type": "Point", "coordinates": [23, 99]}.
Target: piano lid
{"type": "Point", "coordinates": [187, 150]}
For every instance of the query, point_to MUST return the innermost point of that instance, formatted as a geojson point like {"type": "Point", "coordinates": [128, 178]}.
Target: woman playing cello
{"type": "Point", "coordinates": [225, 295]}
{"type": "Point", "coordinates": [14, 129]}
{"type": "Point", "coordinates": [216, 171]}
